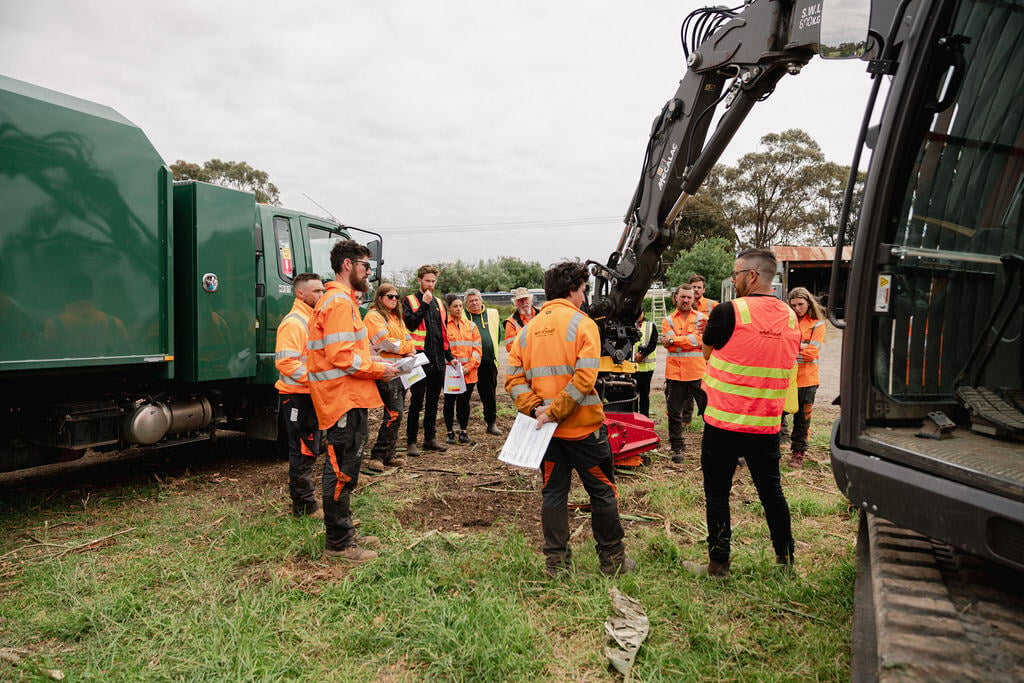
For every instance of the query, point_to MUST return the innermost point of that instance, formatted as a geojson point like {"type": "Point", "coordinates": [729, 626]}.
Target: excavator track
{"type": "Point", "coordinates": [925, 611]}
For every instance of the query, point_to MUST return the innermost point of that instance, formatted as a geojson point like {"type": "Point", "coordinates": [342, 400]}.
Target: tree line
{"type": "Point", "coordinates": [784, 192]}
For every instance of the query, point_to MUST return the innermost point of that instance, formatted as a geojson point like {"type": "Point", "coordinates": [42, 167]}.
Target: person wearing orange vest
{"type": "Point", "coordinates": [467, 347]}
{"type": "Point", "coordinates": [341, 382]}
{"type": "Point", "coordinates": [704, 306]}
{"type": "Point", "coordinates": [751, 344]}
{"type": "Point", "coordinates": [522, 299]}
{"type": "Point", "coordinates": [811, 318]}
{"type": "Point", "coordinates": [552, 371]}
{"type": "Point", "coordinates": [684, 366]}
{"type": "Point", "coordinates": [294, 403]}
{"type": "Point", "coordinates": [390, 340]}
{"type": "Point", "coordinates": [427, 321]}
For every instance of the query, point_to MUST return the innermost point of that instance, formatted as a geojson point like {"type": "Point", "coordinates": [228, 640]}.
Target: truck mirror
{"type": "Point", "coordinates": [843, 31]}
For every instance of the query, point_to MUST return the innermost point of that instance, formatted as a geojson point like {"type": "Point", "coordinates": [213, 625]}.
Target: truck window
{"type": "Point", "coordinates": [321, 240]}
{"type": "Point", "coordinates": [960, 211]}
{"type": "Point", "coordinates": [285, 254]}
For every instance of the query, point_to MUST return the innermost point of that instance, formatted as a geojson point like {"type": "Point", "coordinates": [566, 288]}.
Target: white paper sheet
{"type": "Point", "coordinates": [526, 445]}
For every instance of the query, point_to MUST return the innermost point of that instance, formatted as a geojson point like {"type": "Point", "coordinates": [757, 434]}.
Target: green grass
{"type": "Point", "coordinates": [210, 586]}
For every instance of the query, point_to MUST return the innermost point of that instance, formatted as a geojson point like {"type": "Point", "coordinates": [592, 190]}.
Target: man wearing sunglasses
{"type": "Point", "coordinates": [751, 344]}
{"type": "Point", "coordinates": [342, 383]}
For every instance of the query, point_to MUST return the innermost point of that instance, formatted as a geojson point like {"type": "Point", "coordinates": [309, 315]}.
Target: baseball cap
{"type": "Point", "coordinates": [520, 293]}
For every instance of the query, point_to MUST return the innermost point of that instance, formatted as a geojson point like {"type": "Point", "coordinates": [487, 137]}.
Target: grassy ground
{"type": "Point", "coordinates": [199, 576]}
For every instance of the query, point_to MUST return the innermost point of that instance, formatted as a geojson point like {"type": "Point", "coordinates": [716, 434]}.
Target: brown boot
{"type": "Point", "coordinates": [375, 465]}
{"type": "Point", "coordinates": [412, 450]}
{"type": "Point", "coordinates": [615, 562]}
{"type": "Point", "coordinates": [493, 429]}
{"type": "Point", "coordinates": [366, 541]}
{"type": "Point", "coordinates": [433, 445]}
{"type": "Point", "coordinates": [716, 570]}
{"type": "Point", "coordinates": [353, 553]}
{"type": "Point", "coordinates": [796, 461]}
{"type": "Point", "coordinates": [395, 462]}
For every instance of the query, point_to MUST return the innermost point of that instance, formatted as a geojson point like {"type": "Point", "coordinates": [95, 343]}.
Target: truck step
{"type": "Point", "coordinates": [996, 412]}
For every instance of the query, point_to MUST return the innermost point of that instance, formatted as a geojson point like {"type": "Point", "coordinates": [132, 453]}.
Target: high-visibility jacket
{"type": "Point", "coordinates": [341, 373]}
{"type": "Point", "coordinates": [290, 350]}
{"type": "Point", "coordinates": [491, 323]}
{"type": "Point", "coordinates": [464, 340]}
{"type": "Point", "coordinates": [685, 361]}
{"type": "Point", "coordinates": [746, 379]}
{"type": "Point", "coordinates": [705, 305]}
{"type": "Point", "coordinates": [554, 361]}
{"type": "Point", "coordinates": [419, 335]}
{"type": "Point", "coordinates": [649, 361]}
{"type": "Point", "coordinates": [812, 336]}
{"type": "Point", "coordinates": [388, 338]}
{"type": "Point", "coordinates": [513, 324]}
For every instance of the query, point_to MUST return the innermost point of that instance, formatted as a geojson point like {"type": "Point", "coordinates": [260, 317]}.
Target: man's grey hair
{"type": "Point", "coordinates": [472, 292]}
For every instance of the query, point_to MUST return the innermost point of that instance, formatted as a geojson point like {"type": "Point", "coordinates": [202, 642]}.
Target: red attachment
{"type": "Point", "coordinates": [630, 435]}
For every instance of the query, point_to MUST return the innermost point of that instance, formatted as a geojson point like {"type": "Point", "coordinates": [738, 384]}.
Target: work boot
{"type": "Point", "coordinates": [310, 514]}
{"type": "Point", "coordinates": [615, 563]}
{"type": "Point", "coordinates": [796, 461]}
{"type": "Point", "coordinates": [433, 445]}
{"type": "Point", "coordinates": [450, 439]}
{"type": "Point", "coordinates": [678, 455]}
{"type": "Point", "coordinates": [396, 461]}
{"type": "Point", "coordinates": [375, 465]}
{"type": "Point", "coordinates": [353, 553]}
{"type": "Point", "coordinates": [411, 450]}
{"type": "Point", "coordinates": [493, 429]}
{"type": "Point", "coordinates": [463, 436]}
{"type": "Point", "coordinates": [366, 541]}
{"type": "Point", "coordinates": [716, 570]}
{"type": "Point", "coordinates": [785, 564]}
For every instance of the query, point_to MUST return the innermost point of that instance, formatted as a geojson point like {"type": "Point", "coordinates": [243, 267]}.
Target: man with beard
{"type": "Point", "coordinates": [751, 344]}
{"type": "Point", "coordinates": [427, 321]}
{"type": "Point", "coordinates": [684, 366]}
{"type": "Point", "coordinates": [487, 374]}
{"type": "Point", "coordinates": [341, 382]}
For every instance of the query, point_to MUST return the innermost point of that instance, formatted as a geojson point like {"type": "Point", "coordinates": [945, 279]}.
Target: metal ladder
{"type": "Point", "coordinates": [658, 310]}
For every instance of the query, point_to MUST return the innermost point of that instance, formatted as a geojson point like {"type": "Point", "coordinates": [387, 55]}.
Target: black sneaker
{"type": "Point", "coordinates": [451, 437]}
{"type": "Point", "coordinates": [463, 437]}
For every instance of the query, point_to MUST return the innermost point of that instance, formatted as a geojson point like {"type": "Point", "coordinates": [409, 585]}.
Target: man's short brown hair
{"type": "Point", "coordinates": [424, 269]}
{"type": "Point", "coordinates": [697, 278]}
{"type": "Point", "coordinates": [682, 288]}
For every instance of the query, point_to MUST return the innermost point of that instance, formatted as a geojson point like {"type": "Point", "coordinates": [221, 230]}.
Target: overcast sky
{"type": "Point", "coordinates": [456, 129]}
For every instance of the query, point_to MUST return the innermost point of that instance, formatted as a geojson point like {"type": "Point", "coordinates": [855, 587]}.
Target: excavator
{"type": "Point", "coordinates": [929, 444]}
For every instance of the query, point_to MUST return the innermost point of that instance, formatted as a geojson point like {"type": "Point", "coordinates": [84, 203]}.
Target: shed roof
{"type": "Point", "coordinates": [790, 254]}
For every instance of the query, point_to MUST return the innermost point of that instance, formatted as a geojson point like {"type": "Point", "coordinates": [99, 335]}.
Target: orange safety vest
{"type": "Point", "coordinates": [388, 338]}
{"type": "Point", "coordinates": [512, 327]}
{"type": "Point", "coordinates": [746, 379]}
{"type": "Point", "coordinates": [685, 361]}
{"type": "Point", "coordinates": [341, 372]}
{"type": "Point", "coordinates": [812, 336]}
{"type": "Point", "coordinates": [554, 361]}
{"type": "Point", "coordinates": [705, 305]}
{"type": "Point", "coordinates": [466, 345]}
{"type": "Point", "coordinates": [290, 350]}
{"type": "Point", "coordinates": [419, 335]}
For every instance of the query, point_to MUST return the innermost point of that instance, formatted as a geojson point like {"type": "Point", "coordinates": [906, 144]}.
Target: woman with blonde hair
{"type": "Point", "coordinates": [388, 339]}
{"type": "Point", "coordinates": [811, 318]}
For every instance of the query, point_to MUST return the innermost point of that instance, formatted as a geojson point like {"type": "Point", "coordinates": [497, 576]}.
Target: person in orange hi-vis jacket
{"type": "Point", "coordinates": [294, 403]}
{"type": "Point", "coordinates": [751, 345]}
{"type": "Point", "coordinates": [389, 339]}
{"type": "Point", "coordinates": [684, 367]}
{"type": "Point", "coordinates": [552, 371]}
{"type": "Point", "coordinates": [467, 347]}
{"type": "Point", "coordinates": [811, 318]}
{"type": "Point", "coordinates": [341, 382]}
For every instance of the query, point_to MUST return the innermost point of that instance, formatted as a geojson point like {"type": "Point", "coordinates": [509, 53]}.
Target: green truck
{"type": "Point", "coordinates": [133, 310]}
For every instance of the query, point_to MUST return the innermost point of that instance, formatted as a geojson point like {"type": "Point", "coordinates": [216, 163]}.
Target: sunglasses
{"type": "Point", "coordinates": [390, 296]}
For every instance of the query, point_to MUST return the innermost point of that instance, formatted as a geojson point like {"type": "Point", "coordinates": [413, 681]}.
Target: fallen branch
{"type": "Point", "coordinates": [32, 545]}
{"type": "Point", "coordinates": [488, 488]}
{"type": "Point", "coordinates": [91, 545]}
{"type": "Point", "coordinates": [488, 483]}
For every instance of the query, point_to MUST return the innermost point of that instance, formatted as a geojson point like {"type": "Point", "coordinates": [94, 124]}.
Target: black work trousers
{"type": "Point", "coordinates": [486, 386]}
{"type": "Point", "coordinates": [643, 391]}
{"type": "Point", "coordinates": [345, 442]}
{"type": "Point", "coordinates": [393, 395]}
{"type": "Point", "coordinates": [304, 444]}
{"type": "Point", "coordinates": [425, 396]}
{"type": "Point", "coordinates": [720, 449]}
{"type": "Point", "coordinates": [591, 457]}
{"type": "Point", "coordinates": [677, 395]}
{"type": "Point", "coordinates": [802, 417]}
{"type": "Point", "coordinates": [457, 405]}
